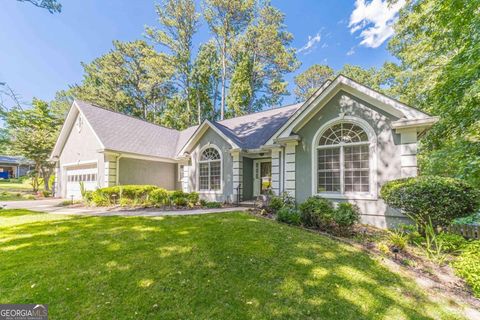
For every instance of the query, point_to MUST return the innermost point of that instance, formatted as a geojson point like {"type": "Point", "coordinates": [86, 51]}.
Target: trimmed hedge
{"type": "Point", "coordinates": [146, 195]}
{"type": "Point", "coordinates": [430, 197]}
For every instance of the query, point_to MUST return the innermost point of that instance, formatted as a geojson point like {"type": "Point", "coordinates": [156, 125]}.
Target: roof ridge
{"type": "Point", "coordinates": [126, 115]}
{"type": "Point", "coordinates": [252, 113]}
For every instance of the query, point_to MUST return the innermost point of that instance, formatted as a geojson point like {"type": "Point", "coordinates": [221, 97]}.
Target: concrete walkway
{"type": "Point", "coordinates": [52, 206]}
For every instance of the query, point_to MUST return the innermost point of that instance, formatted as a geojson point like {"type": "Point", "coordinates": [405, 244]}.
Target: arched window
{"type": "Point", "coordinates": [210, 170]}
{"type": "Point", "coordinates": [343, 159]}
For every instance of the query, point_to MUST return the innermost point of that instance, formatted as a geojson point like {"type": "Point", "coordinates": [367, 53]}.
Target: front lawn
{"type": "Point", "coordinates": [218, 266]}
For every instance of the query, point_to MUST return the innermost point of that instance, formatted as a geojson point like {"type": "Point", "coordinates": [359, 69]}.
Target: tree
{"type": "Point", "coordinates": [310, 80]}
{"type": "Point", "coordinates": [33, 133]}
{"type": "Point", "coordinates": [263, 55]}
{"type": "Point", "coordinates": [179, 23]}
{"type": "Point", "coordinates": [371, 77]}
{"type": "Point", "coordinates": [132, 78]}
{"type": "Point", "coordinates": [53, 6]}
{"type": "Point", "coordinates": [437, 44]}
{"type": "Point", "coordinates": [205, 81]}
{"type": "Point", "coordinates": [227, 19]}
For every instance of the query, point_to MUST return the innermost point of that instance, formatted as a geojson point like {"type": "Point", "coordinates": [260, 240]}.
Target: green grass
{"type": "Point", "coordinates": [220, 266]}
{"type": "Point", "coordinates": [14, 191]}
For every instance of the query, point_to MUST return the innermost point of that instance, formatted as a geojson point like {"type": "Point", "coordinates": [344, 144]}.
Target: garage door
{"type": "Point", "coordinates": [76, 175]}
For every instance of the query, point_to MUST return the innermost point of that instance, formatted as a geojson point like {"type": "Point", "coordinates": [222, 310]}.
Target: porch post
{"type": "Point", "coordinates": [237, 175]}
{"type": "Point", "coordinates": [276, 170]}
{"type": "Point", "coordinates": [110, 171]}
{"type": "Point", "coordinates": [185, 175]}
{"type": "Point", "coordinates": [290, 147]}
{"type": "Point", "coordinates": [408, 155]}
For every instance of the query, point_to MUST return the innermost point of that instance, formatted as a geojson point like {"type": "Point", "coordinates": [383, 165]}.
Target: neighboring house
{"type": "Point", "coordinates": [343, 143]}
{"type": "Point", "coordinates": [14, 167]}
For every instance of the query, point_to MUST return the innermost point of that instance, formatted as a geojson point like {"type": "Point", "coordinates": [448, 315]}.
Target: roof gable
{"type": "Point", "coordinates": [320, 98]}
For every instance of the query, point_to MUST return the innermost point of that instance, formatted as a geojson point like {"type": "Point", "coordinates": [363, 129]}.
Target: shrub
{"type": "Point", "coordinates": [193, 198]}
{"type": "Point", "coordinates": [398, 239]}
{"type": "Point", "coordinates": [203, 202]}
{"type": "Point", "coordinates": [467, 265]}
{"type": "Point", "coordinates": [316, 212]}
{"type": "Point", "coordinates": [289, 215]}
{"type": "Point", "coordinates": [137, 193]}
{"type": "Point", "coordinates": [125, 202]}
{"type": "Point", "coordinates": [438, 199]}
{"type": "Point", "coordinates": [275, 204]}
{"type": "Point", "coordinates": [159, 197]}
{"type": "Point", "coordinates": [346, 215]}
{"type": "Point", "coordinates": [100, 199]}
{"type": "Point", "coordinates": [46, 193]}
{"type": "Point", "coordinates": [451, 243]}
{"type": "Point", "coordinates": [180, 202]}
{"type": "Point", "coordinates": [213, 204]}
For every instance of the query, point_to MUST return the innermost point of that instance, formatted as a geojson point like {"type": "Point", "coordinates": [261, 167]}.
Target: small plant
{"type": "Point", "coordinates": [159, 197]}
{"type": "Point", "coordinates": [46, 193]}
{"type": "Point", "coordinates": [203, 202]}
{"type": "Point", "coordinates": [213, 204]}
{"type": "Point", "coordinates": [289, 215]}
{"type": "Point", "coordinates": [451, 243]}
{"type": "Point", "coordinates": [125, 202]}
{"type": "Point", "coordinates": [398, 239]}
{"type": "Point", "coordinates": [467, 265]}
{"type": "Point", "coordinates": [433, 246]}
{"type": "Point", "coordinates": [193, 198]}
{"type": "Point", "coordinates": [383, 247]}
{"type": "Point", "coordinates": [275, 204]}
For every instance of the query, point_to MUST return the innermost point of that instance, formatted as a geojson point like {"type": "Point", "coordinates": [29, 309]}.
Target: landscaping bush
{"type": "Point", "coordinates": [438, 199]}
{"type": "Point", "coordinates": [451, 243]}
{"type": "Point", "coordinates": [289, 215]}
{"type": "Point", "coordinates": [316, 212]}
{"type": "Point", "coordinates": [468, 265]}
{"type": "Point", "coordinates": [193, 198]}
{"type": "Point", "coordinates": [275, 204]}
{"type": "Point", "coordinates": [346, 215]}
{"type": "Point", "coordinates": [100, 199]}
{"type": "Point", "coordinates": [159, 197]}
{"type": "Point", "coordinates": [46, 193]}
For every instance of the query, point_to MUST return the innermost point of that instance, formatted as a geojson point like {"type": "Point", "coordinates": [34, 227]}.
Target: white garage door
{"type": "Point", "coordinates": [75, 175]}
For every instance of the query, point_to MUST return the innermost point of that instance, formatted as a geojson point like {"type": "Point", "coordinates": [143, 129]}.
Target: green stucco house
{"type": "Point", "coordinates": [343, 143]}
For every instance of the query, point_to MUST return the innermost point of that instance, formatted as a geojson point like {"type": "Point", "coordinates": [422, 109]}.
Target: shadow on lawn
{"type": "Point", "coordinates": [205, 267]}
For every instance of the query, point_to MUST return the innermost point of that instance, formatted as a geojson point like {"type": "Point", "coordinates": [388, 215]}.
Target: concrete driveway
{"type": "Point", "coordinates": [52, 206]}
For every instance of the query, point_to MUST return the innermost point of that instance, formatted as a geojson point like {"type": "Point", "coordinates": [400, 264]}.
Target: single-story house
{"type": "Point", "coordinates": [14, 167]}
{"type": "Point", "coordinates": [343, 143]}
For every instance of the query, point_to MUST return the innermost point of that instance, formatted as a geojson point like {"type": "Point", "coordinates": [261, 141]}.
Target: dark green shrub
{"type": "Point", "coordinates": [100, 199]}
{"type": "Point", "coordinates": [451, 243]}
{"type": "Point", "coordinates": [467, 265]}
{"type": "Point", "coordinates": [346, 215]}
{"type": "Point", "coordinates": [213, 204]}
{"type": "Point", "coordinates": [438, 199]}
{"type": "Point", "coordinates": [193, 198]}
{"type": "Point", "coordinates": [316, 212]}
{"type": "Point", "coordinates": [275, 204]}
{"type": "Point", "coordinates": [289, 215]}
{"type": "Point", "coordinates": [203, 202]}
{"type": "Point", "coordinates": [159, 197]}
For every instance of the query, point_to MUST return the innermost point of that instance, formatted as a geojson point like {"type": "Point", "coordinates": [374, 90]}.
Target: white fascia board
{"type": "Point", "coordinates": [420, 124]}
{"type": "Point", "coordinates": [200, 132]}
{"type": "Point", "coordinates": [65, 131]}
{"type": "Point", "coordinates": [137, 156]}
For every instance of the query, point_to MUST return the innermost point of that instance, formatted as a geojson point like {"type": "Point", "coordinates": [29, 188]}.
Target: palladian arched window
{"type": "Point", "coordinates": [343, 159]}
{"type": "Point", "coordinates": [210, 170]}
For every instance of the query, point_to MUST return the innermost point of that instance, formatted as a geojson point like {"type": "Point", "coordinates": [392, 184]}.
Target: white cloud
{"type": "Point", "coordinates": [375, 19]}
{"type": "Point", "coordinates": [311, 43]}
{"type": "Point", "coordinates": [351, 51]}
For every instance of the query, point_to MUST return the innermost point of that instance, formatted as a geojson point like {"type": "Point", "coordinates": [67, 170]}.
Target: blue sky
{"type": "Point", "coordinates": [40, 52]}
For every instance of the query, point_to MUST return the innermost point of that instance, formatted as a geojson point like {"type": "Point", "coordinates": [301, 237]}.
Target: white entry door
{"type": "Point", "coordinates": [262, 176]}
{"type": "Point", "coordinates": [86, 174]}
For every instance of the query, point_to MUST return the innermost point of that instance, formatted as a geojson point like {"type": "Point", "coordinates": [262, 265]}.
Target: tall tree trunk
{"type": "Point", "coordinates": [224, 76]}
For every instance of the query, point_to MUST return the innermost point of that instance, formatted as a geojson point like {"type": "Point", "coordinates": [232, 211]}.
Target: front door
{"type": "Point", "coordinates": [262, 176]}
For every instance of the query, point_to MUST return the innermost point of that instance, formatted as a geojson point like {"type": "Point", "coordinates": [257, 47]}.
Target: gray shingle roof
{"type": "Point", "coordinates": [124, 133]}
{"type": "Point", "coordinates": [14, 160]}
{"type": "Point", "coordinates": [120, 132]}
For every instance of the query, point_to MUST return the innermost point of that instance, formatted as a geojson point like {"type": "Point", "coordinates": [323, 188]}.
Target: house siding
{"type": "Point", "coordinates": [211, 137]}
{"type": "Point", "coordinates": [136, 171]}
{"type": "Point", "coordinates": [388, 154]}
{"type": "Point", "coordinates": [79, 147]}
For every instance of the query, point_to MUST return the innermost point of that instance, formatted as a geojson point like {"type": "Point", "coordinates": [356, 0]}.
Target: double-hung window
{"type": "Point", "coordinates": [210, 170]}
{"type": "Point", "coordinates": [343, 164]}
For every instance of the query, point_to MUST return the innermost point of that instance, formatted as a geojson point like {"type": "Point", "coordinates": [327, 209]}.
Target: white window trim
{"type": "Point", "coordinates": [180, 171]}
{"type": "Point", "coordinates": [198, 170]}
{"type": "Point", "coordinates": [373, 177]}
